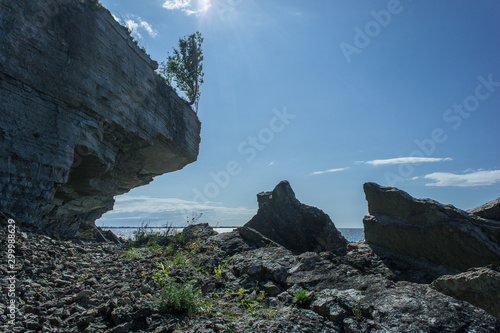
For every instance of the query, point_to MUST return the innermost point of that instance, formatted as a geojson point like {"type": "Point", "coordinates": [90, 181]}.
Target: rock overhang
{"type": "Point", "coordinates": [84, 115]}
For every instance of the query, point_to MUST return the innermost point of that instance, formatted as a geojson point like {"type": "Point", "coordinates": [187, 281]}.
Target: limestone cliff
{"type": "Point", "coordinates": [84, 117]}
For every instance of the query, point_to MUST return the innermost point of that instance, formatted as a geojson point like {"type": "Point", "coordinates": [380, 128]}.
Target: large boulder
{"type": "Point", "coordinates": [490, 210]}
{"type": "Point", "coordinates": [293, 225]}
{"type": "Point", "coordinates": [424, 228]}
{"type": "Point", "coordinates": [479, 286]}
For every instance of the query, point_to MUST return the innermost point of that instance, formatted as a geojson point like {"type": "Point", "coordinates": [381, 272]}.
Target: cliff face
{"type": "Point", "coordinates": [83, 115]}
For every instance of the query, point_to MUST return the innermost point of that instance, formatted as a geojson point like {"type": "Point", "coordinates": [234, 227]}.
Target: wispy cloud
{"type": "Point", "coordinates": [176, 4]}
{"type": "Point", "coordinates": [403, 160]}
{"type": "Point", "coordinates": [187, 6]}
{"type": "Point", "coordinates": [138, 26]}
{"type": "Point", "coordinates": [327, 171]}
{"type": "Point", "coordinates": [478, 178]}
{"type": "Point", "coordinates": [130, 210]}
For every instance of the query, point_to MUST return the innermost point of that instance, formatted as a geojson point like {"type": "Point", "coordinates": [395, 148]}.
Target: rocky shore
{"type": "Point", "coordinates": [241, 281]}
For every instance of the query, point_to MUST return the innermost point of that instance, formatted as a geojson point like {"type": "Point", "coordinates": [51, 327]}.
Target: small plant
{"type": "Point", "coordinates": [358, 314]}
{"type": "Point", "coordinates": [95, 4]}
{"type": "Point", "coordinates": [301, 297]}
{"type": "Point", "coordinates": [161, 277]}
{"type": "Point", "coordinates": [178, 261]}
{"type": "Point", "coordinates": [180, 238]}
{"type": "Point", "coordinates": [133, 253]}
{"type": "Point", "coordinates": [219, 271]}
{"type": "Point", "coordinates": [241, 291]}
{"type": "Point", "coordinates": [247, 303]}
{"type": "Point", "coordinates": [182, 298]}
{"type": "Point", "coordinates": [261, 295]}
{"type": "Point", "coordinates": [194, 218]}
{"type": "Point", "coordinates": [206, 307]}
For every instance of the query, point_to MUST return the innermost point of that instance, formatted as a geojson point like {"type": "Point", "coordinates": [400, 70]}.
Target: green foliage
{"type": "Point", "coordinates": [181, 298]}
{"type": "Point", "coordinates": [185, 67]}
{"type": "Point", "coordinates": [241, 291]}
{"type": "Point", "coordinates": [180, 238]}
{"type": "Point", "coordinates": [133, 253]}
{"type": "Point", "coordinates": [178, 261]}
{"type": "Point", "coordinates": [94, 4]}
{"type": "Point", "coordinates": [161, 277]}
{"type": "Point", "coordinates": [218, 273]}
{"type": "Point", "coordinates": [301, 297]}
{"type": "Point", "coordinates": [358, 313]}
{"type": "Point", "coordinates": [145, 237]}
{"type": "Point", "coordinates": [247, 303]}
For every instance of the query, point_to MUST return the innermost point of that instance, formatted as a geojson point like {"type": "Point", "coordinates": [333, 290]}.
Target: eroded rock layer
{"type": "Point", "coordinates": [423, 228]}
{"type": "Point", "coordinates": [84, 117]}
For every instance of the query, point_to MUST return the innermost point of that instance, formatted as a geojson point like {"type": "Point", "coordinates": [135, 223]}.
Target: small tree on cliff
{"type": "Point", "coordinates": [185, 67]}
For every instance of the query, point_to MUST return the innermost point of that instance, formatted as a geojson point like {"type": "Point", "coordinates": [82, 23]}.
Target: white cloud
{"type": "Point", "coordinates": [327, 171]}
{"type": "Point", "coordinates": [176, 4]}
{"type": "Point", "coordinates": [478, 178]}
{"type": "Point", "coordinates": [137, 26]}
{"type": "Point", "coordinates": [149, 29]}
{"type": "Point", "coordinates": [129, 210]}
{"type": "Point", "coordinates": [187, 6]}
{"type": "Point", "coordinates": [403, 160]}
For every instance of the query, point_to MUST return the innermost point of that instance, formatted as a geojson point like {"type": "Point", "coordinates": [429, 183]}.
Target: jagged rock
{"type": "Point", "coordinates": [255, 237]}
{"type": "Point", "coordinates": [490, 210]}
{"type": "Point", "coordinates": [417, 308]}
{"type": "Point", "coordinates": [84, 115]}
{"type": "Point", "coordinates": [104, 291]}
{"type": "Point", "coordinates": [424, 228]}
{"type": "Point", "coordinates": [263, 265]}
{"type": "Point", "coordinates": [359, 300]}
{"type": "Point", "coordinates": [297, 227]}
{"type": "Point", "coordinates": [478, 286]}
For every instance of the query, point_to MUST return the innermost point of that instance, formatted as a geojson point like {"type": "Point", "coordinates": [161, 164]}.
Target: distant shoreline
{"type": "Point", "coordinates": [351, 234]}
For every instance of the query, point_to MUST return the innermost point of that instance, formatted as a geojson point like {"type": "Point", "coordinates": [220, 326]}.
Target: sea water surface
{"type": "Point", "coordinates": [351, 234]}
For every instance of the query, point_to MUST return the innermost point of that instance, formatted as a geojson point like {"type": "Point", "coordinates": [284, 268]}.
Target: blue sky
{"type": "Point", "coordinates": [327, 95]}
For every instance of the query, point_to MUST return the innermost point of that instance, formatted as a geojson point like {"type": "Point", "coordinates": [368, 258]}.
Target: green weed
{"type": "Point", "coordinates": [301, 297]}
{"type": "Point", "coordinates": [133, 253]}
{"type": "Point", "coordinates": [180, 298]}
{"type": "Point", "coordinates": [161, 278]}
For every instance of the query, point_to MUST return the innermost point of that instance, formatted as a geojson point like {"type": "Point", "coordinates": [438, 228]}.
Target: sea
{"type": "Point", "coordinates": [351, 234]}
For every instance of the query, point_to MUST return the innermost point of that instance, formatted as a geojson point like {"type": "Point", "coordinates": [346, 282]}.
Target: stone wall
{"type": "Point", "coordinates": [84, 117]}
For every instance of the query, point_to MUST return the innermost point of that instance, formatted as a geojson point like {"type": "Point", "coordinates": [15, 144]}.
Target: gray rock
{"type": "Point", "coordinates": [297, 227]}
{"type": "Point", "coordinates": [478, 286]}
{"type": "Point", "coordinates": [200, 230]}
{"type": "Point", "coordinates": [349, 292]}
{"type": "Point", "coordinates": [424, 228]}
{"type": "Point", "coordinates": [409, 307]}
{"type": "Point", "coordinates": [264, 264]}
{"type": "Point", "coordinates": [84, 115]}
{"type": "Point", "coordinates": [255, 237]}
{"type": "Point", "coordinates": [271, 288]}
{"type": "Point", "coordinates": [490, 210]}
